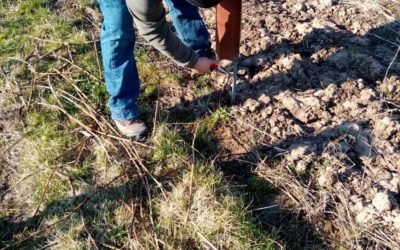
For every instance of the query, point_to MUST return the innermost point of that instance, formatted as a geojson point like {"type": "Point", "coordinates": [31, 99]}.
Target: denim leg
{"type": "Point", "coordinates": [120, 71]}
{"type": "Point", "coordinates": [189, 25]}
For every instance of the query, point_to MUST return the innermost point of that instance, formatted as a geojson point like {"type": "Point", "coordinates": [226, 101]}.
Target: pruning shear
{"type": "Point", "coordinates": [232, 74]}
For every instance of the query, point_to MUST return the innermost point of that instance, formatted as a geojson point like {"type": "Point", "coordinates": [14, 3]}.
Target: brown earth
{"type": "Point", "coordinates": [318, 114]}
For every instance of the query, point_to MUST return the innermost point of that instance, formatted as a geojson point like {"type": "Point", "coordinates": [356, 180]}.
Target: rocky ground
{"type": "Point", "coordinates": [318, 113]}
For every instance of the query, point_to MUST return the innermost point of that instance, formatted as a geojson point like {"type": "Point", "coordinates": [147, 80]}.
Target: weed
{"type": "Point", "coordinates": [205, 140]}
{"type": "Point", "coordinates": [170, 148]}
{"type": "Point", "coordinates": [201, 85]}
{"type": "Point", "coordinates": [259, 186]}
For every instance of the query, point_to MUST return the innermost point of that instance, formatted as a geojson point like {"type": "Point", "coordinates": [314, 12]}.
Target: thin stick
{"type": "Point", "coordinates": [78, 67]}
{"type": "Point", "coordinates": [88, 232]}
{"type": "Point", "coordinates": [156, 111]}
{"type": "Point", "coordinates": [97, 56]}
{"type": "Point", "coordinates": [383, 39]}
{"type": "Point", "coordinates": [207, 241]}
{"type": "Point", "coordinates": [391, 63]}
{"type": "Point", "coordinates": [13, 144]}
{"type": "Point", "coordinates": [191, 179]}
{"type": "Point", "coordinates": [33, 81]}
{"type": "Point", "coordinates": [45, 190]}
{"type": "Point", "coordinates": [17, 183]}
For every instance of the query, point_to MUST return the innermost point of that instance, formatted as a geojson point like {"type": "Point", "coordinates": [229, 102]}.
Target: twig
{"type": "Point", "coordinates": [33, 81]}
{"type": "Point", "coordinates": [88, 232]}
{"type": "Point", "coordinates": [45, 190]}
{"type": "Point", "coordinates": [61, 42]}
{"type": "Point", "coordinates": [257, 129]}
{"type": "Point", "coordinates": [391, 63]}
{"type": "Point", "coordinates": [157, 104]}
{"type": "Point", "coordinates": [264, 208]}
{"type": "Point", "coordinates": [125, 139]}
{"type": "Point", "coordinates": [78, 67]}
{"type": "Point", "coordinates": [207, 241]}
{"type": "Point", "coordinates": [21, 180]}
{"type": "Point", "coordinates": [97, 55]}
{"type": "Point", "coordinates": [191, 179]}
{"type": "Point", "coordinates": [109, 246]}
{"type": "Point", "coordinates": [383, 39]}
{"type": "Point", "coordinates": [13, 144]}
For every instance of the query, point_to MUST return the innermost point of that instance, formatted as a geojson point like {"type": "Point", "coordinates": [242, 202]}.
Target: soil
{"type": "Point", "coordinates": [318, 113]}
{"type": "Point", "coordinates": [317, 116]}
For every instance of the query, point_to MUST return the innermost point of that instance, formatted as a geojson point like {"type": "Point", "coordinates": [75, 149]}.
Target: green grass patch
{"type": "Point", "coordinates": [202, 208]}
{"type": "Point", "coordinates": [170, 148]}
{"type": "Point", "coordinates": [206, 142]}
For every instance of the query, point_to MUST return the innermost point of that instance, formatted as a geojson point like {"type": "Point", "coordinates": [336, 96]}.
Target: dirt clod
{"type": "Point", "coordinates": [382, 202]}
{"type": "Point", "coordinates": [326, 179]}
{"type": "Point", "coordinates": [298, 151]}
{"type": "Point", "coordinates": [251, 105]}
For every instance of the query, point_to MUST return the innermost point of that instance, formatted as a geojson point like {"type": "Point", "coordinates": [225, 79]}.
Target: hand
{"type": "Point", "coordinates": [203, 65]}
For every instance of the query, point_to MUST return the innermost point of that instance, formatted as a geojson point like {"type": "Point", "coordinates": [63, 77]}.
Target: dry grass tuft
{"type": "Point", "coordinates": [201, 210]}
{"type": "Point", "coordinates": [184, 215]}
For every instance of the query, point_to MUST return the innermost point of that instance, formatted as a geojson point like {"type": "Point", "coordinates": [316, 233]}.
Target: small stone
{"type": "Point", "coordinates": [264, 99]}
{"type": "Point", "coordinates": [327, 3]}
{"type": "Point", "coordinates": [281, 118]}
{"type": "Point", "coordinates": [251, 105]}
{"type": "Point", "coordinates": [300, 7]}
{"type": "Point", "coordinates": [297, 151]}
{"type": "Point", "coordinates": [358, 206]}
{"type": "Point", "coordinates": [266, 112]}
{"type": "Point", "coordinates": [396, 222]}
{"type": "Point", "coordinates": [301, 167]}
{"type": "Point", "coordinates": [360, 83]}
{"type": "Point", "coordinates": [381, 202]}
{"type": "Point", "coordinates": [349, 127]}
{"type": "Point", "coordinates": [395, 183]}
{"type": "Point", "coordinates": [301, 108]}
{"type": "Point", "coordinates": [326, 179]}
{"type": "Point", "coordinates": [364, 216]}
{"type": "Point", "coordinates": [265, 43]}
{"type": "Point", "coordinates": [275, 130]}
{"type": "Point", "coordinates": [367, 95]}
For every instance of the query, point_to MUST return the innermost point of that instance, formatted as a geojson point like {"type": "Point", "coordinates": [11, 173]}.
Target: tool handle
{"type": "Point", "coordinates": [214, 66]}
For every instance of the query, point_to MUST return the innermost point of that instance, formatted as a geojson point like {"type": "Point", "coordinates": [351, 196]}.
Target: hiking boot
{"type": "Point", "coordinates": [132, 128]}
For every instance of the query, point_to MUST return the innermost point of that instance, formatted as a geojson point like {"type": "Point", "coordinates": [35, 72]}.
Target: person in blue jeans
{"type": "Point", "coordinates": [188, 47]}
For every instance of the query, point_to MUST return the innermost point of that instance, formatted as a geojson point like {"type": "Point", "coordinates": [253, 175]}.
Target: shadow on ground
{"type": "Point", "coordinates": [324, 56]}
{"type": "Point", "coordinates": [350, 57]}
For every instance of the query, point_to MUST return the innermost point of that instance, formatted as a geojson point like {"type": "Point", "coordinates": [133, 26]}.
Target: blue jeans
{"type": "Point", "coordinates": [117, 48]}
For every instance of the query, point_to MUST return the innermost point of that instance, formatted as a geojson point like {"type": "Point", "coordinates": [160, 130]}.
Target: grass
{"type": "Point", "coordinates": [202, 209]}
{"type": "Point", "coordinates": [206, 141]}
{"type": "Point", "coordinates": [75, 187]}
